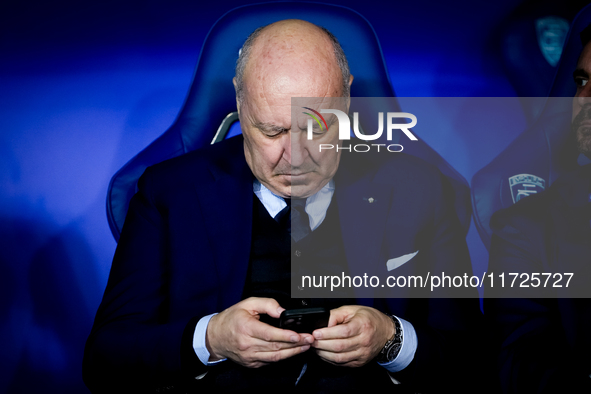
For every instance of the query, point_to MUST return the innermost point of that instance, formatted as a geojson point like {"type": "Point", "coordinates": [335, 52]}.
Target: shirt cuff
{"type": "Point", "coordinates": [199, 341]}
{"type": "Point", "coordinates": [407, 350]}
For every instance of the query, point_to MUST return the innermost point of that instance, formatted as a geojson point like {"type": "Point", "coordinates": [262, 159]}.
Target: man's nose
{"type": "Point", "coordinates": [294, 149]}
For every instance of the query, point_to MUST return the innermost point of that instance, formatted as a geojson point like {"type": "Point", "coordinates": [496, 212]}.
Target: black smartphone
{"type": "Point", "coordinates": [304, 320]}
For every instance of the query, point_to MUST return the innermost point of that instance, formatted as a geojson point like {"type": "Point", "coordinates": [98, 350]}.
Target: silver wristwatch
{"type": "Point", "coordinates": [393, 346]}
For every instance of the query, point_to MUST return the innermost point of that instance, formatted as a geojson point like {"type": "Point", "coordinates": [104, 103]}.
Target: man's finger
{"type": "Point", "coordinates": [340, 331]}
{"type": "Point", "coordinates": [274, 356]}
{"type": "Point", "coordinates": [338, 316]}
{"type": "Point", "coordinates": [257, 306]}
{"type": "Point", "coordinates": [269, 333]}
{"type": "Point", "coordinates": [352, 358]}
{"type": "Point", "coordinates": [258, 345]}
{"type": "Point", "coordinates": [337, 345]}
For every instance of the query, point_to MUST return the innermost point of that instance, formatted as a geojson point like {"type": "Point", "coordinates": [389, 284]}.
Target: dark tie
{"type": "Point", "coordinates": [300, 223]}
{"type": "Point", "coordinates": [295, 218]}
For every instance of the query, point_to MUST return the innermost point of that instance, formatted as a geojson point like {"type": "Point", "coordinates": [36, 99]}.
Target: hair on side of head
{"type": "Point", "coordinates": [243, 56]}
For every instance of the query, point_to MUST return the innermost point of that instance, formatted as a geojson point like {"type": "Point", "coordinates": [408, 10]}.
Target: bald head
{"type": "Point", "coordinates": [297, 49]}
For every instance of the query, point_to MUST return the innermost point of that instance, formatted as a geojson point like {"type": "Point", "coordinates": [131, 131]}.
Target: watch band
{"type": "Point", "coordinates": [392, 346]}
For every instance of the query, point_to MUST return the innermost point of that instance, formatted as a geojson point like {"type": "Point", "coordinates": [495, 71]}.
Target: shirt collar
{"type": "Point", "coordinates": [316, 205]}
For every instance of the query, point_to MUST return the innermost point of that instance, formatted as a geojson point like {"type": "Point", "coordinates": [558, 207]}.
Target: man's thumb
{"type": "Point", "coordinates": [264, 305]}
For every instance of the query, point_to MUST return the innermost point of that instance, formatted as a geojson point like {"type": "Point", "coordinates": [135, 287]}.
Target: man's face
{"type": "Point", "coordinates": [285, 63]}
{"type": "Point", "coordinates": [581, 125]}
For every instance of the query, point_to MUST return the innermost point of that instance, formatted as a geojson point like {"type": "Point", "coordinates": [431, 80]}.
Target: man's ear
{"type": "Point", "coordinates": [350, 80]}
{"type": "Point", "coordinates": [237, 101]}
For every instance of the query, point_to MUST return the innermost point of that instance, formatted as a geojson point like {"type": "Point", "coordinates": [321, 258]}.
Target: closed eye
{"type": "Point", "coordinates": [271, 130]}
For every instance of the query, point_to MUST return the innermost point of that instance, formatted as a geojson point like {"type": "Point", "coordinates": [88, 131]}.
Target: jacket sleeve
{"type": "Point", "coordinates": [133, 345]}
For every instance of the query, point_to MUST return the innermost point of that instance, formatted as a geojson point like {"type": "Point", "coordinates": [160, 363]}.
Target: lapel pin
{"type": "Point", "coordinates": [370, 200]}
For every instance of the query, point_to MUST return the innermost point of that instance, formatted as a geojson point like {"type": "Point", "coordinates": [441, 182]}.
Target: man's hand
{"type": "Point", "coordinates": [354, 336]}
{"type": "Point", "coordinates": [237, 334]}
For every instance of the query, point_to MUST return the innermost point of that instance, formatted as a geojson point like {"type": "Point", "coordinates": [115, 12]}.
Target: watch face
{"type": "Point", "coordinates": [393, 351]}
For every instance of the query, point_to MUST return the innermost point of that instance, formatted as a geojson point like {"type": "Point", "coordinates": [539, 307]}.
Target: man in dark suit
{"type": "Point", "coordinates": [204, 252]}
{"type": "Point", "coordinates": [543, 337]}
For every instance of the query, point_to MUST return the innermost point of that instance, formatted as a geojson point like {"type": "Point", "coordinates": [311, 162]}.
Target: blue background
{"type": "Point", "coordinates": [85, 86]}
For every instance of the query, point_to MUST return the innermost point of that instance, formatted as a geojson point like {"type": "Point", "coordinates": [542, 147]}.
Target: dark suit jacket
{"type": "Point", "coordinates": [185, 246]}
{"type": "Point", "coordinates": [544, 338]}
